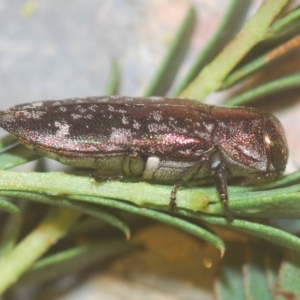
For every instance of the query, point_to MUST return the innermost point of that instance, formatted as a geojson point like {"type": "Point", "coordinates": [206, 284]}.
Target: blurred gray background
{"type": "Point", "coordinates": [61, 49]}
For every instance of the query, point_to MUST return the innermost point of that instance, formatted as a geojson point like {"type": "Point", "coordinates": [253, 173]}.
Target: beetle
{"type": "Point", "coordinates": [160, 139]}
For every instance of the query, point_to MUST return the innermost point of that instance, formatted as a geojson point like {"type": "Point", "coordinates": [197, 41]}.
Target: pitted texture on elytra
{"type": "Point", "coordinates": [150, 126]}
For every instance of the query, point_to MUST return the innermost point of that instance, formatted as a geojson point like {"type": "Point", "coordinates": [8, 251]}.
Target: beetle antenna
{"type": "Point", "coordinates": [266, 176]}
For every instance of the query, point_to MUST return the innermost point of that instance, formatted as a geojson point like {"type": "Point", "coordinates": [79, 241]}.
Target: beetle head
{"type": "Point", "coordinates": [276, 146]}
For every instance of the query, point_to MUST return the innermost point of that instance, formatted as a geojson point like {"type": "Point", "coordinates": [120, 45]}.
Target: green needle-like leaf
{"type": "Point", "coordinates": [11, 229]}
{"type": "Point", "coordinates": [16, 156]}
{"type": "Point", "coordinates": [71, 260]}
{"type": "Point", "coordinates": [269, 88]}
{"type": "Point", "coordinates": [174, 57]}
{"type": "Point", "coordinates": [97, 212]}
{"type": "Point", "coordinates": [140, 193]}
{"type": "Point", "coordinates": [274, 235]}
{"type": "Point", "coordinates": [7, 141]}
{"type": "Point", "coordinates": [212, 76]}
{"type": "Point", "coordinates": [261, 62]}
{"type": "Point", "coordinates": [276, 203]}
{"type": "Point", "coordinates": [160, 216]}
{"type": "Point", "coordinates": [156, 215]}
{"type": "Point", "coordinates": [272, 203]}
{"type": "Point", "coordinates": [228, 27]}
{"type": "Point", "coordinates": [244, 201]}
{"type": "Point", "coordinates": [8, 207]}
{"type": "Point", "coordinates": [85, 208]}
{"type": "Point", "coordinates": [284, 28]}
{"type": "Point", "coordinates": [54, 227]}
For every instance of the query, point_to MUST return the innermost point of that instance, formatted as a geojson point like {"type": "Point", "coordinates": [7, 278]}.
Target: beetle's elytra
{"type": "Point", "coordinates": [159, 139]}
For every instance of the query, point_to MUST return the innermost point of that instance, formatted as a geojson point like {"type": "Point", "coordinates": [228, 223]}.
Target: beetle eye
{"type": "Point", "coordinates": [276, 146]}
{"type": "Point", "coordinates": [275, 152]}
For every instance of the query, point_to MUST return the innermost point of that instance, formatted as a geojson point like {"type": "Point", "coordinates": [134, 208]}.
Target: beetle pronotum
{"type": "Point", "coordinates": [159, 139]}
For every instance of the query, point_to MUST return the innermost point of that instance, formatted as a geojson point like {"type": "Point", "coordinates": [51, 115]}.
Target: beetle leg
{"type": "Point", "coordinates": [187, 176]}
{"type": "Point", "coordinates": [221, 185]}
{"type": "Point", "coordinates": [172, 203]}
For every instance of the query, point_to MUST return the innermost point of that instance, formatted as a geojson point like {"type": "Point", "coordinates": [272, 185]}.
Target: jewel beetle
{"type": "Point", "coordinates": [158, 139]}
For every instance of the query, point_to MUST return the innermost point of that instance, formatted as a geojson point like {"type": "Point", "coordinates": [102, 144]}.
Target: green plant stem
{"type": "Point", "coordinates": [277, 85]}
{"type": "Point", "coordinates": [165, 75]}
{"type": "Point", "coordinates": [75, 259]}
{"type": "Point", "coordinates": [234, 17]}
{"type": "Point", "coordinates": [17, 155]}
{"type": "Point", "coordinates": [261, 62]}
{"type": "Point", "coordinates": [8, 206]}
{"type": "Point", "coordinates": [7, 141]}
{"type": "Point", "coordinates": [212, 76]}
{"type": "Point", "coordinates": [49, 231]}
{"type": "Point", "coordinates": [11, 228]}
{"type": "Point", "coordinates": [284, 27]}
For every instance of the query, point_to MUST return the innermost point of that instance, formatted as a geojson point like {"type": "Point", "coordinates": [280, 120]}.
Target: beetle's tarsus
{"type": "Point", "coordinates": [229, 215]}
{"type": "Point", "coordinates": [172, 203]}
